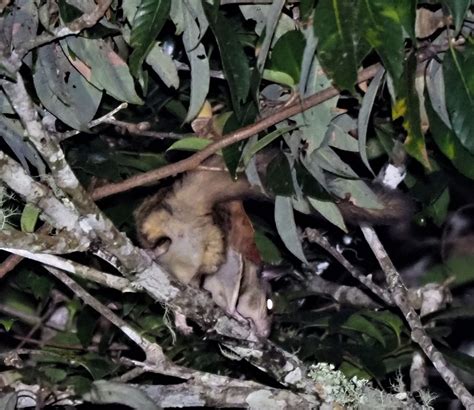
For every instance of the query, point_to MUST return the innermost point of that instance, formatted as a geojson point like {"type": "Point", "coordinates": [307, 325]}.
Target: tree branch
{"type": "Point", "coordinates": [400, 296]}
{"type": "Point", "coordinates": [241, 134]}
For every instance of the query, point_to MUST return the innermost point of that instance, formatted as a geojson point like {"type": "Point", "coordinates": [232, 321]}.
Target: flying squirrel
{"type": "Point", "coordinates": [182, 229]}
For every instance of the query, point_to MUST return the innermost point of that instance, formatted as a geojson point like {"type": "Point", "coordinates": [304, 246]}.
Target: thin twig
{"type": "Point", "coordinates": [153, 351]}
{"type": "Point", "coordinates": [85, 272]}
{"type": "Point", "coordinates": [74, 27]}
{"type": "Point", "coordinates": [95, 122]}
{"type": "Point", "coordinates": [400, 296]}
{"type": "Point", "coordinates": [313, 235]}
{"type": "Point", "coordinates": [240, 135]}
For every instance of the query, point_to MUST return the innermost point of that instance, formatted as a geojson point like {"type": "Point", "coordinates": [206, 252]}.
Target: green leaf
{"type": "Point", "coordinates": [164, 66]}
{"type": "Point", "coordinates": [98, 366]}
{"type": "Point", "coordinates": [198, 61]}
{"type": "Point", "coordinates": [457, 267]}
{"type": "Point", "coordinates": [234, 60]}
{"type": "Point", "coordinates": [357, 190]}
{"type": "Point", "coordinates": [330, 211]}
{"type": "Point", "coordinates": [458, 9]}
{"type": "Point", "coordinates": [54, 374]}
{"type": "Point", "coordinates": [142, 161]}
{"type": "Point", "coordinates": [190, 144]}
{"type": "Point", "coordinates": [86, 323]}
{"type": "Point", "coordinates": [39, 285]}
{"type": "Point", "coordinates": [338, 25]}
{"type": "Point", "coordinates": [278, 178]}
{"type": "Point", "coordinates": [279, 77]}
{"type": "Point", "coordinates": [286, 227]}
{"type": "Point", "coordinates": [101, 66]}
{"type": "Point", "coordinates": [459, 359]}
{"type": "Point", "coordinates": [449, 145]}
{"type": "Point", "coordinates": [438, 209]}
{"type": "Point", "coordinates": [287, 55]}
{"type": "Point", "coordinates": [360, 324]}
{"type": "Point", "coordinates": [68, 12]}
{"type": "Point", "coordinates": [453, 313]}
{"type": "Point", "coordinates": [389, 319]}
{"type": "Point", "coordinates": [364, 115]}
{"type": "Point", "coordinates": [458, 69]}
{"type": "Point", "coordinates": [328, 159]}
{"type": "Point", "coordinates": [62, 90]}
{"type": "Point", "coordinates": [407, 105]}
{"type": "Point", "coordinates": [29, 217]}
{"type": "Point", "coordinates": [79, 384]}
{"type": "Point", "coordinates": [7, 324]}
{"type": "Point", "coordinates": [384, 32]}
{"type": "Point", "coordinates": [263, 142]}
{"type": "Point", "coordinates": [147, 24]}
{"type": "Point", "coordinates": [267, 249]}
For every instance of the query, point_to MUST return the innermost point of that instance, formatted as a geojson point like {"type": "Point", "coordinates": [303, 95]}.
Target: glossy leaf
{"type": "Point", "coordinates": [163, 65]}
{"type": "Point", "coordinates": [29, 217]}
{"type": "Point", "coordinates": [314, 122]}
{"type": "Point", "coordinates": [287, 55]}
{"type": "Point", "coordinates": [286, 227]}
{"type": "Point", "coordinates": [438, 210]}
{"type": "Point", "coordinates": [147, 24]}
{"type": "Point", "coordinates": [328, 159]}
{"type": "Point", "coordinates": [267, 249]}
{"type": "Point", "coordinates": [338, 25]}
{"type": "Point", "coordinates": [357, 190]}
{"type": "Point", "coordinates": [384, 32]}
{"type": "Point", "coordinates": [364, 115]}
{"type": "Point", "coordinates": [330, 211]}
{"type": "Point", "coordinates": [263, 142]}
{"type": "Point", "coordinates": [458, 69]}
{"type": "Point", "coordinates": [387, 318]}
{"type": "Point", "coordinates": [360, 324]}
{"type": "Point", "coordinates": [199, 65]}
{"type": "Point", "coordinates": [449, 145]}
{"type": "Point", "coordinates": [234, 60]}
{"type": "Point", "coordinates": [407, 106]}
{"type": "Point", "coordinates": [278, 177]}
{"type": "Point", "coordinates": [190, 144]}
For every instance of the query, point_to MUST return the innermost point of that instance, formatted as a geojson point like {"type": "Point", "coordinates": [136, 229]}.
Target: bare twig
{"type": "Point", "coordinates": [37, 242]}
{"type": "Point", "coordinates": [418, 334]}
{"type": "Point", "coordinates": [242, 134]}
{"type": "Point", "coordinates": [344, 295]}
{"type": "Point", "coordinates": [96, 122]}
{"type": "Point", "coordinates": [153, 351]}
{"type": "Point", "coordinates": [82, 271]}
{"type": "Point", "coordinates": [9, 264]}
{"type": "Point", "coordinates": [74, 27]}
{"type": "Point", "coordinates": [142, 129]}
{"type": "Point", "coordinates": [313, 235]}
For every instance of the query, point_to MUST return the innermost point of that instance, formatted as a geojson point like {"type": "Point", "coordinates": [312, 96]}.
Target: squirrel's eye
{"type": "Point", "coordinates": [269, 304]}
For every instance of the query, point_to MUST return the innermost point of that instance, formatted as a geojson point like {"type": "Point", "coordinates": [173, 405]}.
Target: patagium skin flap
{"type": "Point", "coordinates": [238, 288]}
{"type": "Point", "coordinates": [181, 230]}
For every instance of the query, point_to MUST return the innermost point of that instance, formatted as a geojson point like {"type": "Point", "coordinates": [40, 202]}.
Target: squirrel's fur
{"type": "Point", "coordinates": [179, 224]}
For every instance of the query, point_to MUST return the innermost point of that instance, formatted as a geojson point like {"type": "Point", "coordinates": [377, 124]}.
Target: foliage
{"type": "Point", "coordinates": [167, 59]}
